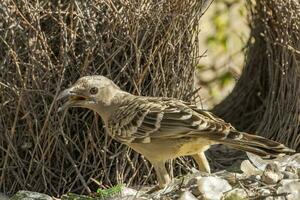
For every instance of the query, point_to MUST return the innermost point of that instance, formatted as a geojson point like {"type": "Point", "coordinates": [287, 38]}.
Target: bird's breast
{"type": "Point", "coordinates": [171, 148]}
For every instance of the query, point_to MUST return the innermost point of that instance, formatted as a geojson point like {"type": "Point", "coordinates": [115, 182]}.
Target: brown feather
{"type": "Point", "coordinates": [254, 144]}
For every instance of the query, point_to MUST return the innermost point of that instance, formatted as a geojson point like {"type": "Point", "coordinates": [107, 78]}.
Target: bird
{"type": "Point", "coordinates": [161, 128]}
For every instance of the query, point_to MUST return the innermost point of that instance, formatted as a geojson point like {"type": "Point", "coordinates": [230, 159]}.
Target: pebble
{"type": "Point", "coordinates": [249, 169]}
{"type": "Point", "coordinates": [193, 186]}
{"type": "Point", "coordinates": [26, 195]}
{"type": "Point", "coordinates": [291, 169]}
{"type": "Point", "coordinates": [291, 187]}
{"type": "Point", "coordinates": [126, 191]}
{"type": "Point", "coordinates": [212, 188]}
{"type": "Point", "coordinates": [289, 175]}
{"type": "Point", "coordinates": [265, 192]}
{"type": "Point", "coordinates": [3, 196]}
{"type": "Point", "coordinates": [236, 193]}
{"type": "Point", "coordinates": [271, 174]}
{"type": "Point", "coordinates": [186, 195]}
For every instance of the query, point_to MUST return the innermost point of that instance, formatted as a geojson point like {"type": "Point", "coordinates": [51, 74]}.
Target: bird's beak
{"type": "Point", "coordinates": [75, 99]}
{"type": "Point", "coordinates": [64, 94]}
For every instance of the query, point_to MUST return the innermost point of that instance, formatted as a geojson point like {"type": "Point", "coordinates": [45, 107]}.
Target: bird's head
{"type": "Point", "coordinates": [93, 92]}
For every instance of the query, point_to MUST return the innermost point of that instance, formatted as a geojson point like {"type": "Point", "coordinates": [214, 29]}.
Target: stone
{"type": "Point", "coordinates": [212, 188]}
{"type": "Point", "coordinates": [193, 186]}
{"type": "Point", "coordinates": [249, 169]}
{"type": "Point", "coordinates": [237, 194]}
{"type": "Point", "coordinates": [298, 172]}
{"type": "Point", "coordinates": [193, 181]}
{"type": "Point", "coordinates": [289, 175]}
{"type": "Point", "coordinates": [126, 191]}
{"type": "Point", "coordinates": [271, 174]}
{"type": "Point", "coordinates": [291, 169]}
{"type": "Point", "coordinates": [187, 195]}
{"type": "Point", "coordinates": [28, 195]}
{"type": "Point", "coordinates": [290, 187]}
{"type": "Point", "coordinates": [3, 196]}
{"type": "Point", "coordinates": [265, 192]}
{"type": "Point", "coordinates": [231, 177]}
{"type": "Point", "coordinates": [257, 161]}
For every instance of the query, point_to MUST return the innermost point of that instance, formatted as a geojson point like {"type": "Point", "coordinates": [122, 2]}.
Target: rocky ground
{"type": "Point", "coordinates": [259, 179]}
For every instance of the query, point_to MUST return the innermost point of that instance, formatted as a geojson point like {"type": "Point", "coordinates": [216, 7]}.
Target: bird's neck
{"type": "Point", "coordinates": [106, 110]}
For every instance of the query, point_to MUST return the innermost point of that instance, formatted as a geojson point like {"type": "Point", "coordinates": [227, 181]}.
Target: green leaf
{"type": "Point", "coordinates": [110, 192]}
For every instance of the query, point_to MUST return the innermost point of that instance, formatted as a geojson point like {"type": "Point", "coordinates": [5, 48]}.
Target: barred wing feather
{"type": "Point", "coordinates": [143, 119]}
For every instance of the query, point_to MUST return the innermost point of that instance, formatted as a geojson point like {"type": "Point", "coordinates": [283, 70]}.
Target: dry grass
{"type": "Point", "coordinates": [147, 47]}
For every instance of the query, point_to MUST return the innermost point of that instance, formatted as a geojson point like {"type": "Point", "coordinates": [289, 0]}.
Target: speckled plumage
{"type": "Point", "coordinates": [142, 119]}
{"type": "Point", "coordinates": [162, 128]}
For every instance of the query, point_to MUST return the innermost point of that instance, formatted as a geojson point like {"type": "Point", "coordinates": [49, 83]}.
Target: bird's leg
{"type": "Point", "coordinates": [202, 162]}
{"type": "Point", "coordinates": [162, 174]}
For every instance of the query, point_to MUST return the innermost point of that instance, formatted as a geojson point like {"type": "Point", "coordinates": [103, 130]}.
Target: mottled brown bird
{"type": "Point", "coordinates": [161, 128]}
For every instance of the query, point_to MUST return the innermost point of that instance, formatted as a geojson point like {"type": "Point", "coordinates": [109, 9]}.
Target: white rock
{"type": "Point", "coordinates": [193, 186]}
{"type": "Point", "coordinates": [238, 192]}
{"type": "Point", "coordinates": [212, 188]}
{"type": "Point", "coordinates": [28, 195]}
{"type": "Point", "coordinates": [257, 161]}
{"type": "Point", "coordinates": [281, 161]}
{"type": "Point", "coordinates": [231, 177]}
{"type": "Point", "coordinates": [3, 196]}
{"type": "Point", "coordinates": [249, 169]}
{"type": "Point", "coordinates": [193, 181]}
{"type": "Point", "coordinates": [129, 192]}
{"type": "Point", "coordinates": [293, 160]}
{"type": "Point", "coordinates": [265, 192]}
{"type": "Point", "coordinates": [271, 175]}
{"type": "Point", "coordinates": [292, 187]}
{"type": "Point", "coordinates": [289, 175]}
{"type": "Point", "coordinates": [186, 195]}
{"type": "Point", "coordinates": [271, 178]}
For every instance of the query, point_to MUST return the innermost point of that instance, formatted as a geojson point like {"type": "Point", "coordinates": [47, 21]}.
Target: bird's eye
{"type": "Point", "coordinates": [93, 90]}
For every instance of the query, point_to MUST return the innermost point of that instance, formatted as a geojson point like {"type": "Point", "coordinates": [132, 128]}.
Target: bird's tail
{"type": "Point", "coordinates": [255, 144]}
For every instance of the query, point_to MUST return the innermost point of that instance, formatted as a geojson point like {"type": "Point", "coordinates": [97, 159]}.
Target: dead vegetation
{"type": "Point", "coordinates": [147, 47]}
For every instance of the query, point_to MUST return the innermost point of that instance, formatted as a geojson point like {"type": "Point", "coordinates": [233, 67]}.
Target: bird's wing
{"type": "Point", "coordinates": [144, 119]}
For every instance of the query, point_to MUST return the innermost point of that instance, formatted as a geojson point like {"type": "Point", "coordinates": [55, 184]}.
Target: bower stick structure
{"type": "Point", "coordinates": [266, 98]}
{"type": "Point", "coordinates": [147, 47]}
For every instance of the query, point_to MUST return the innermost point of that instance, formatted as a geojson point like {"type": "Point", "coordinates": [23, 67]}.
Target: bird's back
{"type": "Point", "coordinates": [152, 120]}
{"type": "Point", "coordinates": [142, 119]}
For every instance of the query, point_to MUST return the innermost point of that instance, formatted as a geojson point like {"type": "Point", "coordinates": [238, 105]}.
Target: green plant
{"type": "Point", "coordinates": [110, 192]}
